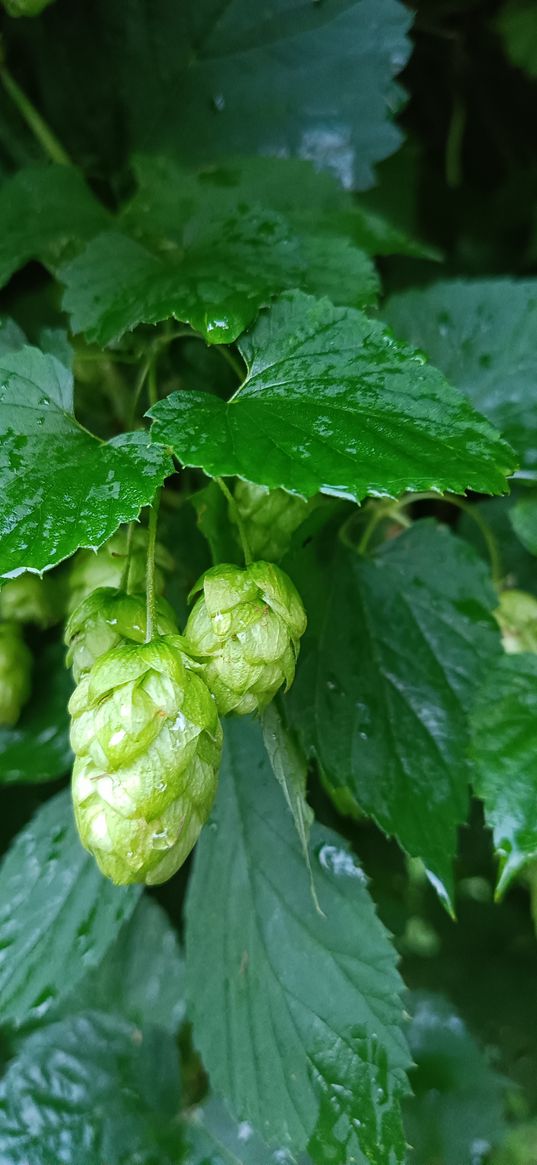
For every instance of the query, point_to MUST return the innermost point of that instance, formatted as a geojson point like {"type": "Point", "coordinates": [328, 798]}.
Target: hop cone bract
{"type": "Point", "coordinates": [269, 517]}
{"type": "Point", "coordinates": [517, 617]}
{"type": "Point", "coordinates": [15, 673]}
{"type": "Point", "coordinates": [147, 743]}
{"type": "Point", "coordinates": [104, 619]}
{"type": "Point", "coordinates": [31, 599]}
{"type": "Point", "coordinates": [104, 567]}
{"type": "Point", "coordinates": [245, 628]}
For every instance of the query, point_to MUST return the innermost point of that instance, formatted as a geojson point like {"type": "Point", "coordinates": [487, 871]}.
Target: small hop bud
{"type": "Point", "coordinates": [31, 599]}
{"type": "Point", "coordinates": [105, 567]}
{"type": "Point", "coordinates": [15, 673]}
{"type": "Point", "coordinates": [517, 617]}
{"type": "Point", "coordinates": [245, 628]}
{"type": "Point", "coordinates": [104, 619]}
{"type": "Point", "coordinates": [269, 518]}
{"type": "Point", "coordinates": [147, 743]}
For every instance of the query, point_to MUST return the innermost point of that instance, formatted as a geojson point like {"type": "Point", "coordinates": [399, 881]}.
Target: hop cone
{"type": "Point", "coordinates": [31, 599]}
{"type": "Point", "coordinates": [245, 628]}
{"type": "Point", "coordinates": [270, 518]}
{"type": "Point", "coordinates": [103, 619]}
{"type": "Point", "coordinates": [517, 616]}
{"type": "Point", "coordinates": [147, 743]}
{"type": "Point", "coordinates": [92, 569]}
{"type": "Point", "coordinates": [15, 673]}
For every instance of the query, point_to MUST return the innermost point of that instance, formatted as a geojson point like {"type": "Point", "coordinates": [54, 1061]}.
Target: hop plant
{"type": "Point", "coordinates": [15, 673]}
{"type": "Point", "coordinates": [105, 567]}
{"type": "Point", "coordinates": [104, 619]}
{"type": "Point", "coordinates": [245, 628]}
{"type": "Point", "coordinates": [31, 599]}
{"type": "Point", "coordinates": [147, 743]}
{"type": "Point", "coordinates": [269, 518]}
{"type": "Point", "coordinates": [517, 617]}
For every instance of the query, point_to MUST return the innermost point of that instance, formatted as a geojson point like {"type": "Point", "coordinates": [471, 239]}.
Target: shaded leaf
{"type": "Point", "coordinates": [91, 1088]}
{"type": "Point", "coordinates": [524, 521]}
{"type": "Point", "coordinates": [290, 769]}
{"type": "Point", "coordinates": [504, 747]}
{"type": "Point", "coordinates": [58, 915]}
{"type": "Point", "coordinates": [61, 488]}
{"type": "Point", "coordinates": [38, 749]}
{"type": "Point", "coordinates": [482, 334]}
{"type": "Point", "coordinates": [387, 717]}
{"type": "Point", "coordinates": [331, 401]}
{"type": "Point", "coordinates": [517, 25]}
{"type": "Point", "coordinates": [214, 1138]}
{"type": "Point", "coordinates": [297, 1016]}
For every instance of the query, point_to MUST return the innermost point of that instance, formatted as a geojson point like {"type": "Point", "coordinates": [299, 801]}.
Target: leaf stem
{"type": "Point", "coordinates": [150, 569]}
{"type": "Point", "coordinates": [231, 360]}
{"type": "Point", "coordinates": [240, 525]}
{"type": "Point", "coordinates": [124, 584]}
{"type": "Point", "coordinates": [38, 126]}
{"type": "Point", "coordinates": [473, 513]}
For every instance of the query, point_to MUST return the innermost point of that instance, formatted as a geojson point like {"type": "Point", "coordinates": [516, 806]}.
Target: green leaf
{"type": "Point", "coordinates": [331, 401]}
{"type": "Point", "coordinates": [140, 976]}
{"type": "Point", "coordinates": [213, 520]}
{"type": "Point", "coordinates": [58, 915]}
{"type": "Point", "coordinates": [517, 25]}
{"type": "Point", "coordinates": [200, 81]}
{"type": "Point", "coordinates": [455, 1115]}
{"type": "Point", "coordinates": [387, 717]}
{"type": "Point", "coordinates": [214, 1138]}
{"type": "Point", "coordinates": [297, 1016]}
{"type": "Point", "coordinates": [46, 212]}
{"type": "Point", "coordinates": [205, 255]}
{"type": "Point", "coordinates": [92, 1088]}
{"type": "Point", "coordinates": [504, 747]}
{"type": "Point", "coordinates": [290, 769]}
{"type": "Point", "coordinates": [38, 749]}
{"type": "Point", "coordinates": [60, 487]}
{"type": "Point", "coordinates": [524, 521]}
{"type": "Point", "coordinates": [482, 333]}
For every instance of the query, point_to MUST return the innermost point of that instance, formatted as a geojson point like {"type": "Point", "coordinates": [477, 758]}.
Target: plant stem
{"type": "Point", "coordinates": [473, 513]}
{"type": "Point", "coordinates": [150, 569]}
{"type": "Point", "coordinates": [240, 525]}
{"type": "Point", "coordinates": [41, 131]}
{"type": "Point", "coordinates": [231, 360]}
{"type": "Point", "coordinates": [152, 387]}
{"type": "Point", "coordinates": [124, 585]}
{"type": "Point", "coordinates": [138, 388]}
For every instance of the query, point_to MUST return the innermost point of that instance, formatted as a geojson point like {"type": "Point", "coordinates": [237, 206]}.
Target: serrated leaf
{"type": "Point", "coordinates": [141, 976]}
{"type": "Point", "coordinates": [38, 749]}
{"type": "Point", "coordinates": [456, 1111]}
{"type": "Point", "coordinates": [60, 487]}
{"type": "Point", "coordinates": [214, 1138]}
{"type": "Point", "coordinates": [332, 402]}
{"type": "Point", "coordinates": [58, 915]}
{"type": "Point", "coordinates": [387, 717]}
{"type": "Point", "coordinates": [297, 1016]}
{"type": "Point", "coordinates": [91, 1088]}
{"type": "Point", "coordinates": [504, 748]}
{"type": "Point", "coordinates": [290, 768]}
{"type": "Point", "coordinates": [200, 81]}
{"type": "Point", "coordinates": [524, 522]}
{"type": "Point", "coordinates": [45, 212]}
{"type": "Point", "coordinates": [482, 333]}
{"type": "Point", "coordinates": [204, 255]}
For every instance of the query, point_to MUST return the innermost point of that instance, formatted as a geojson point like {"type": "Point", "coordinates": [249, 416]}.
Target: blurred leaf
{"type": "Point", "coordinates": [38, 749]}
{"type": "Point", "coordinates": [58, 915]}
{"type": "Point", "coordinates": [482, 333]}
{"type": "Point", "coordinates": [214, 1138]}
{"type": "Point", "coordinates": [91, 1088]}
{"type": "Point", "coordinates": [296, 1015]}
{"type": "Point", "coordinates": [332, 402]}
{"type": "Point", "coordinates": [455, 1115]}
{"type": "Point", "coordinates": [517, 25]}
{"type": "Point", "coordinates": [524, 521]}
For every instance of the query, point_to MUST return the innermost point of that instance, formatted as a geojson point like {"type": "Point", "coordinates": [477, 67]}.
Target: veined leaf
{"type": "Point", "coordinates": [297, 1015]}
{"type": "Point", "coordinates": [61, 488]}
{"type": "Point", "coordinates": [332, 402]}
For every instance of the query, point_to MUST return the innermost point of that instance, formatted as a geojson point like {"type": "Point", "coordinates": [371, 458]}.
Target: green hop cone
{"type": "Point", "coordinates": [104, 619]}
{"type": "Point", "coordinates": [245, 628]}
{"type": "Point", "coordinates": [517, 617]}
{"type": "Point", "coordinates": [105, 567]}
{"type": "Point", "coordinates": [147, 743]}
{"type": "Point", "coordinates": [31, 599]}
{"type": "Point", "coordinates": [15, 673]}
{"type": "Point", "coordinates": [269, 518]}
